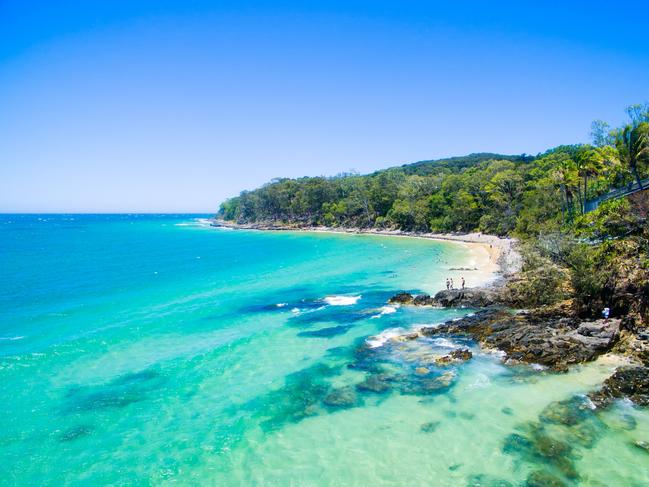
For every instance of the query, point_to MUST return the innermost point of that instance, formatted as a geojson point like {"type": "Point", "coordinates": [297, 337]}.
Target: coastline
{"type": "Point", "coordinates": [493, 259]}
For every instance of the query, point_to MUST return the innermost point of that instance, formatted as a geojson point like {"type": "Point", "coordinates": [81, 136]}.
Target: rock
{"type": "Point", "coordinates": [631, 382]}
{"type": "Point", "coordinates": [407, 298]}
{"type": "Point", "coordinates": [568, 413]}
{"type": "Point", "coordinates": [422, 300]}
{"type": "Point", "coordinates": [375, 383]}
{"type": "Point", "coordinates": [76, 432]}
{"type": "Point", "coordinates": [535, 337]}
{"type": "Point", "coordinates": [421, 371]}
{"type": "Point", "coordinates": [468, 298]}
{"type": "Point", "coordinates": [401, 298]}
{"type": "Point", "coordinates": [429, 427]}
{"type": "Point", "coordinates": [484, 480]}
{"type": "Point", "coordinates": [541, 478]}
{"type": "Point", "coordinates": [344, 397]}
{"type": "Point", "coordinates": [459, 355]}
{"type": "Point", "coordinates": [643, 445]}
{"type": "Point", "coordinates": [507, 410]}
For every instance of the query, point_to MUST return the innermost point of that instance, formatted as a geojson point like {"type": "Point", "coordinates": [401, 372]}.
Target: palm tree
{"type": "Point", "coordinates": [632, 143]}
{"type": "Point", "coordinates": [565, 175]}
{"type": "Point", "coordinates": [590, 162]}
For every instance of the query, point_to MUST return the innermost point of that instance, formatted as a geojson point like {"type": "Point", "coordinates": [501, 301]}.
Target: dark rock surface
{"type": "Point", "coordinates": [468, 298]}
{"type": "Point", "coordinates": [631, 382]}
{"type": "Point", "coordinates": [451, 298]}
{"type": "Point", "coordinates": [553, 341]}
{"type": "Point", "coordinates": [460, 355]}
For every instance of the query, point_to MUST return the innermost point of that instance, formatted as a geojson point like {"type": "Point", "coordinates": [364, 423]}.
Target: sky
{"type": "Point", "coordinates": [173, 106]}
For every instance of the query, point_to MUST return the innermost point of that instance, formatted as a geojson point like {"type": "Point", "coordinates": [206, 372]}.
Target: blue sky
{"type": "Point", "coordinates": [176, 105]}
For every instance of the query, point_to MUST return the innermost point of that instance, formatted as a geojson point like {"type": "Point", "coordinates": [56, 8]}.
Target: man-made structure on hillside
{"type": "Point", "coordinates": [616, 193]}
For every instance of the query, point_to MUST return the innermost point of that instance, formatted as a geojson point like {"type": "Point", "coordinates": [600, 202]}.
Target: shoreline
{"type": "Point", "coordinates": [494, 259]}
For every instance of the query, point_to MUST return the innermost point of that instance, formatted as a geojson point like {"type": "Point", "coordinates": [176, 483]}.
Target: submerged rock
{"type": "Point", "coordinates": [376, 383]}
{"type": "Point", "coordinates": [541, 478]}
{"type": "Point", "coordinates": [630, 382]}
{"type": "Point", "coordinates": [430, 427]}
{"type": "Point", "coordinates": [569, 412]}
{"type": "Point", "coordinates": [75, 433]}
{"type": "Point", "coordinates": [537, 446]}
{"type": "Point", "coordinates": [484, 480]}
{"type": "Point", "coordinates": [344, 397]}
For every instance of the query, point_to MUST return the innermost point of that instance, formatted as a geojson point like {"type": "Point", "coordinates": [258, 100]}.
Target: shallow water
{"type": "Point", "coordinates": [145, 350]}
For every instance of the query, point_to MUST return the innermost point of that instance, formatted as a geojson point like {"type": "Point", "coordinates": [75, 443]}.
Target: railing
{"type": "Point", "coordinates": [616, 193]}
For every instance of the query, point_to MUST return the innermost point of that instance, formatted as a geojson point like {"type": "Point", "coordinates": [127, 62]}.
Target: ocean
{"type": "Point", "coordinates": [155, 350]}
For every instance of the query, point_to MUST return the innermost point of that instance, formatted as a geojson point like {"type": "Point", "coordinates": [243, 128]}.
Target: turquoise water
{"type": "Point", "coordinates": [149, 350]}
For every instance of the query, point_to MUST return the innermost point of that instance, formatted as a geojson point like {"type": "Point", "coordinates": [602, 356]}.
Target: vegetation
{"type": "Point", "coordinates": [540, 199]}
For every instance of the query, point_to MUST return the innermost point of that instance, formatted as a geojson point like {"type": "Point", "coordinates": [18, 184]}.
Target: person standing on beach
{"type": "Point", "coordinates": [448, 284]}
{"type": "Point", "coordinates": [462, 282]}
{"type": "Point", "coordinates": [451, 283]}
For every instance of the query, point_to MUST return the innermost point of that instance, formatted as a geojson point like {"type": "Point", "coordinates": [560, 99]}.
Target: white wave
{"type": "Point", "coordinates": [183, 225]}
{"type": "Point", "coordinates": [444, 343]}
{"type": "Point", "coordinates": [281, 305]}
{"type": "Point", "coordinates": [341, 300]}
{"type": "Point", "coordinates": [295, 311]}
{"type": "Point", "coordinates": [380, 339]}
{"type": "Point", "coordinates": [11, 339]}
{"type": "Point", "coordinates": [386, 310]}
{"type": "Point", "coordinates": [203, 222]}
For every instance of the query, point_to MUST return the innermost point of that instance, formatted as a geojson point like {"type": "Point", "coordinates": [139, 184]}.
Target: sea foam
{"type": "Point", "coordinates": [341, 300]}
{"type": "Point", "coordinates": [386, 310]}
{"type": "Point", "coordinates": [383, 337]}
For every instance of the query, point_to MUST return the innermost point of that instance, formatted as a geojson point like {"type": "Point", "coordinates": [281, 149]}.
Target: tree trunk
{"type": "Point", "coordinates": [634, 168]}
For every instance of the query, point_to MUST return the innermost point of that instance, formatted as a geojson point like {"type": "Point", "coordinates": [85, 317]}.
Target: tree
{"type": "Point", "coordinates": [589, 162]}
{"type": "Point", "coordinates": [600, 133]}
{"type": "Point", "coordinates": [632, 144]}
{"type": "Point", "coordinates": [638, 113]}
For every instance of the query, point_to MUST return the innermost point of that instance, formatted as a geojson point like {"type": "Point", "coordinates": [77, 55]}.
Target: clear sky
{"type": "Point", "coordinates": [127, 105]}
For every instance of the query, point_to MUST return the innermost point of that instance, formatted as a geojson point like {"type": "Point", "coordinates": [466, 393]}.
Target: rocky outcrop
{"type": "Point", "coordinates": [451, 298]}
{"type": "Point", "coordinates": [460, 355]}
{"type": "Point", "coordinates": [468, 298]}
{"type": "Point", "coordinates": [630, 382]}
{"type": "Point", "coordinates": [550, 340]}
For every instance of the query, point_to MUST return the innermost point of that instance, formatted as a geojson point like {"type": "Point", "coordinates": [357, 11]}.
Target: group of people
{"type": "Point", "coordinates": [450, 285]}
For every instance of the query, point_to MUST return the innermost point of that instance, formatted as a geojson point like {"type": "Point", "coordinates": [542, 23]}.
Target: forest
{"type": "Point", "coordinates": [490, 193]}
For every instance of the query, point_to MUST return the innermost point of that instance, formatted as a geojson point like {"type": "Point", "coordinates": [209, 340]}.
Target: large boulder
{"type": "Point", "coordinates": [467, 298]}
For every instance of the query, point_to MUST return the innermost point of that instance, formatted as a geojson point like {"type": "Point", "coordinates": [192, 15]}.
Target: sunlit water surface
{"type": "Point", "coordinates": [146, 350]}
